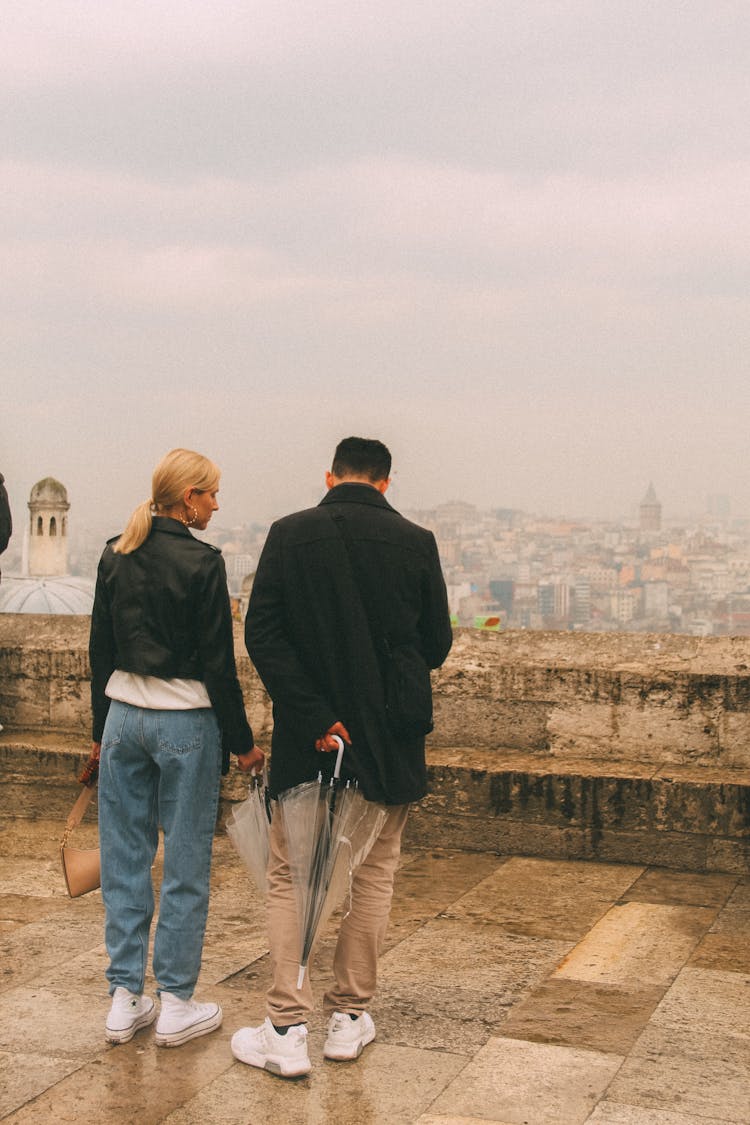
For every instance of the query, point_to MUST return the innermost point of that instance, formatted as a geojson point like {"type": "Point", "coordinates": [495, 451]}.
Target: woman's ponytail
{"type": "Point", "coordinates": [137, 529]}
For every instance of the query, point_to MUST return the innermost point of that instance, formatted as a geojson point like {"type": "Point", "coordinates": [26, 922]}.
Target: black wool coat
{"type": "Point", "coordinates": [308, 636]}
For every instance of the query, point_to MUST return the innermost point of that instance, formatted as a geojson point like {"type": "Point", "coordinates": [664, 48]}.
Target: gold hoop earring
{"type": "Point", "coordinates": [193, 518]}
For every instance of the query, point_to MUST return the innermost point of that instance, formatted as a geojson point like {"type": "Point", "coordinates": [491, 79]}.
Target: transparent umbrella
{"type": "Point", "coordinates": [247, 827]}
{"type": "Point", "coordinates": [329, 829]}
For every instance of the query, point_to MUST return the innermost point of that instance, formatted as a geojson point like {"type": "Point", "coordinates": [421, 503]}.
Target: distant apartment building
{"type": "Point", "coordinates": [622, 606]}
{"type": "Point", "coordinates": [581, 602]}
{"type": "Point", "coordinates": [553, 603]}
{"type": "Point", "coordinates": [655, 601]}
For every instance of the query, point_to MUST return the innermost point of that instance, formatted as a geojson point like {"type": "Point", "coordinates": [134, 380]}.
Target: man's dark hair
{"type": "Point", "coordinates": [361, 457]}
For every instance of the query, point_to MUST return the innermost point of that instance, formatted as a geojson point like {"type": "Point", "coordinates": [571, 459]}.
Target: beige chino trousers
{"type": "Point", "coordinates": [361, 934]}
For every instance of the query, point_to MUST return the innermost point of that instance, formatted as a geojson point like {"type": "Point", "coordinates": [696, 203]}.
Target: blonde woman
{"type": "Point", "coordinates": [167, 712]}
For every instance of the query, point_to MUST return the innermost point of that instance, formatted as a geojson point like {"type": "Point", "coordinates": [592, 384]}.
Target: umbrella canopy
{"type": "Point", "coordinates": [247, 827]}
{"type": "Point", "coordinates": [329, 829]}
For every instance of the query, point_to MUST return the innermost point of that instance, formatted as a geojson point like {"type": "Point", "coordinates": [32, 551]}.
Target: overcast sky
{"type": "Point", "coordinates": [511, 239]}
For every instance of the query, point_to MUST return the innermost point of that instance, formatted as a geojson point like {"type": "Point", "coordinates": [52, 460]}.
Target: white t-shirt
{"type": "Point", "coordinates": [155, 694]}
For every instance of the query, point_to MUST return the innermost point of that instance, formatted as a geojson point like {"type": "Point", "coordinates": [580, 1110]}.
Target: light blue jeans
{"type": "Point", "coordinates": [157, 768]}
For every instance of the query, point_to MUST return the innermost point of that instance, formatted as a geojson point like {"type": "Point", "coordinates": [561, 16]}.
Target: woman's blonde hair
{"type": "Point", "coordinates": [178, 470]}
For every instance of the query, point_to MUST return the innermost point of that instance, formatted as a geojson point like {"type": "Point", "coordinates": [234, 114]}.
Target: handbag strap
{"type": "Point", "coordinates": [77, 812]}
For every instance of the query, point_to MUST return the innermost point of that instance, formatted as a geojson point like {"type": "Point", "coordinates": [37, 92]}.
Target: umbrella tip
{"type": "Point", "coordinates": [300, 977]}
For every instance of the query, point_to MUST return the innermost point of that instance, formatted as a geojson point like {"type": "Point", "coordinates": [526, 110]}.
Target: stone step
{"type": "Point", "coordinates": [39, 773]}
{"type": "Point", "coordinates": [506, 801]}
{"type": "Point", "coordinates": [501, 801]}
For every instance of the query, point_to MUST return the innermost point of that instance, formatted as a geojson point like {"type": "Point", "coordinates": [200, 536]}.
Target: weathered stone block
{"type": "Point", "coordinates": [581, 730]}
{"type": "Point", "coordinates": [664, 734]}
{"type": "Point", "coordinates": [728, 855]}
{"type": "Point", "coordinates": [734, 739]}
{"type": "Point", "coordinates": [27, 706]}
{"type": "Point", "coordinates": [479, 722]}
{"type": "Point", "coordinates": [69, 705]}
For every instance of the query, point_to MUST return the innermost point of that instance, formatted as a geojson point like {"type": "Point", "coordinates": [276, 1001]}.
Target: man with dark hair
{"type": "Point", "coordinates": [364, 458]}
{"type": "Point", "coordinates": [348, 607]}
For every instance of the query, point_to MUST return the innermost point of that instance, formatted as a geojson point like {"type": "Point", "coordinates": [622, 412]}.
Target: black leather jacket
{"type": "Point", "coordinates": [163, 610]}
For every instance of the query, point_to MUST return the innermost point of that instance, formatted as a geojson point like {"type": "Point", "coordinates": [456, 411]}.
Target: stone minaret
{"type": "Point", "coordinates": [48, 529]}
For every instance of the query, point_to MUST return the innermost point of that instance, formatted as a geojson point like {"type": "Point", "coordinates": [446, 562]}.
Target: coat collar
{"type": "Point", "coordinates": [172, 527]}
{"type": "Point", "coordinates": [352, 493]}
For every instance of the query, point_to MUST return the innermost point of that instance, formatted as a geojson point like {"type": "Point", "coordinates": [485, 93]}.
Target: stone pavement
{"type": "Point", "coordinates": [512, 990]}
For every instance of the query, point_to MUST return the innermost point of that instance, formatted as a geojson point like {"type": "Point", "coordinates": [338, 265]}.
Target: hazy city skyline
{"type": "Point", "coordinates": [509, 239]}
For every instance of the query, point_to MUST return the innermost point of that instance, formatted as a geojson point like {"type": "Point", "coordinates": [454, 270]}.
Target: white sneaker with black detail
{"type": "Point", "coordinates": [128, 1014]}
{"type": "Point", "coordinates": [348, 1035]}
{"type": "Point", "coordinates": [264, 1047]}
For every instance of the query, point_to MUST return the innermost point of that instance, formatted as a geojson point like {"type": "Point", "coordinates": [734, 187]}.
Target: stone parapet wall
{"type": "Point", "coordinates": [620, 746]}
{"type": "Point", "coordinates": [45, 676]}
{"type": "Point", "coordinates": [601, 697]}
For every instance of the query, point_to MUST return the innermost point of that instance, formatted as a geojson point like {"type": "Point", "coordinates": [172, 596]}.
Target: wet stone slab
{"type": "Point", "coordinates": [520, 1082]}
{"type": "Point", "coordinates": [724, 951]}
{"type": "Point", "coordinates": [727, 945]}
{"type": "Point", "coordinates": [579, 1014]}
{"type": "Point", "coordinates": [41, 950]}
{"type": "Point", "coordinates": [694, 1054]}
{"type": "Point", "coordinates": [546, 898]}
{"type": "Point", "coordinates": [23, 1076]}
{"type": "Point", "coordinates": [712, 1088]}
{"type": "Point", "coordinates": [136, 1082]}
{"type": "Point", "coordinates": [450, 975]}
{"type": "Point", "coordinates": [723, 1000]}
{"type": "Point", "coordinates": [37, 878]}
{"type": "Point", "coordinates": [33, 1018]}
{"type": "Point", "coordinates": [433, 1018]}
{"type": "Point", "coordinates": [432, 1119]}
{"type": "Point", "coordinates": [681, 888]}
{"type": "Point", "coordinates": [609, 1113]}
{"type": "Point", "coordinates": [385, 1086]}
{"type": "Point", "coordinates": [18, 910]}
{"type": "Point", "coordinates": [86, 969]}
{"type": "Point", "coordinates": [478, 957]}
{"type": "Point", "coordinates": [427, 883]}
{"type": "Point", "coordinates": [636, 941]}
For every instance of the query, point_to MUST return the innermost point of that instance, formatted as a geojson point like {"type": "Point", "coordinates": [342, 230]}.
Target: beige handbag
{"type": "Point", "coordinates": [81, 866]}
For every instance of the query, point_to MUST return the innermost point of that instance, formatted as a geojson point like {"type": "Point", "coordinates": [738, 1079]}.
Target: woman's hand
{"type": "Point", "coordinates": [252, 760]}
{"type": "Point", "coordinates": [90, 771]}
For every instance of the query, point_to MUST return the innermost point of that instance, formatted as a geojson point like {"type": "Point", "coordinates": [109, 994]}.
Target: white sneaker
{"type": "Point", "coordinates": [285, 1055]}
{"type": "Point", "coordinates": [348, 1036]}
{"type": "Point", "coordinates": [181, 1020]}
{"type": "Point", "coordinates": [128, 1014]}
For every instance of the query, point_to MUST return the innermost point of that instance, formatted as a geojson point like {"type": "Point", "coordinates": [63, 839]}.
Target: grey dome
{"type": "Point", "coordinates": [47, 595]}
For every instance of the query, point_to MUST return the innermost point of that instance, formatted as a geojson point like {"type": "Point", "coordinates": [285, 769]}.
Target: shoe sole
{"type": "Point", "coordinates": [194, 1031]}
{"type": "Point", "coordinates": [349, 1052]}
{"type": "Point", "coordinates": [274, 1066]}
{"type": "Point", "coordinates": [118, 1037]}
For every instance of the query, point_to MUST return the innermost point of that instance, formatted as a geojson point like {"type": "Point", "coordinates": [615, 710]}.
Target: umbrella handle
{"type": "Point", "coordinates": [339, 756]}
{"type": "Point", "coordinates": [260, 774]}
